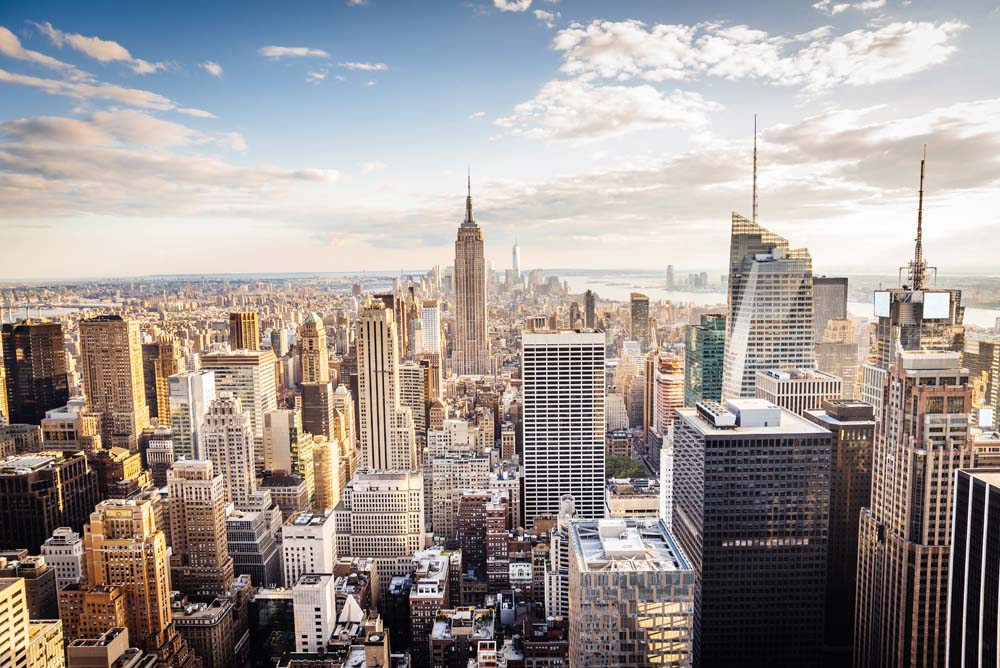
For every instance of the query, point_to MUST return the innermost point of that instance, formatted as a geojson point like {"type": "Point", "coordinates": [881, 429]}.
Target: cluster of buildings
{"type": "Point", "coordinates": [468, 469]}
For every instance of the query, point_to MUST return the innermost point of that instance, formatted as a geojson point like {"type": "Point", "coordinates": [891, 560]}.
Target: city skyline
{"type": "Point", "coordinates": [314, 138]}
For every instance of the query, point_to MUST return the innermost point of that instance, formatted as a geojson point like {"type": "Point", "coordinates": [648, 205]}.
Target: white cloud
{"type": "Point", "coordinates": [102, 50]}
{"type": "Point", "coordinates": [831, 8]}
{"type": "Point", "coordinates": [476, 115]}
{"type": "Point", "coordinates": [364, 67]}
{"type": "Point", "coordinates": [10, 46]}
{"type": "Point", "coordinates": [276, 52]}
{"type": "Point", "coordinates": [577, 110]}
{"type": "Point", "coordinates": [369, 84]}
{"type": "Point", "coordinates": [372, 166]}
{"type": "Point", "coordinates": [212, 67]}
{"type": "Point", "coordinates": [357, 3]}
{"type": "Point", "coordinates": [315, 76]}
{"type": "Point", "coordinates": [101, 91]}
{"type": "Point", "coordinates": [546, 17]}
{"type": "Point", "coordinates": [814, 61]}
{"type": "Point", "coordinates": [512, 5]}
{"type": "Point", "coordinates": [197, 113]}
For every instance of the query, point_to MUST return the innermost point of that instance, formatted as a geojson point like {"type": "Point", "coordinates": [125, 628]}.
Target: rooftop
{"type": "Point", "coordinates": [743, 417]}
{"type": "Point", "coordinates": [626, 545]}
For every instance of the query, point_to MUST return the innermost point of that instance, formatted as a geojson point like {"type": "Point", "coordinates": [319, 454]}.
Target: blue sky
{"type": "Point", "coordinates": [324, 136]}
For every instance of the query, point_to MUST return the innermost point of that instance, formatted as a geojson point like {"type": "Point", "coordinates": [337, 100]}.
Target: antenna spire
{"type": "Point", "coordinates": [755, 169]}
{"type": "Point", "coordinates": [469, 220]}
{"type": "Point", "coordinates": [918, 267]}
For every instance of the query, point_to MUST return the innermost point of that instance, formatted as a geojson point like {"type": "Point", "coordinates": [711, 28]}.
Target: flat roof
{"type": "Point", "coordinates": [790, 424]}
{"type": "Point", "coordinates": [627, 544]}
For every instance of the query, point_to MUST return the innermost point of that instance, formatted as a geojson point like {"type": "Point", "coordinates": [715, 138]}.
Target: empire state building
{"type": "Point", "coordinates": [471, 354]}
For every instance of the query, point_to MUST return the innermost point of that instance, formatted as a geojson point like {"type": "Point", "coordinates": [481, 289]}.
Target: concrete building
{"type": "Point", "coordinates": [288, 447]}
{"type": "Point", "coordinates": [72, 427]}
{"type": "Point", "coordinates": [639, 328]}
{"type": "Point", "coordinates": [308, 545]}
{"type": "Point", "coordinates": [244, 331]}
{"type": "Point", "coordinates": [190, 394]}
{"type": "Point", "coordinates": [797, 390]}
{"type": "Point", "coordinates": [26, 643]}
{"type": "Point", "coordinates": [631, 595]}
{"type": "Point", "coordinates": [315, 607]}
{"type": "Point", "coordinates": [63, 552]}
{"type": "Point", "coordinates": [33, 358]}
{"type": "Point", "coordinates": [761, 574]}
{"type": "Point", "coordinates": [329, 475]}
{"type": "Point", "coordinates": [829, 303]}
{"type": "Point", "coordinates": [563, 421]}
{"type": "Point", "coordinates": [39, 581]}
{"type": "Point", "coordinates": [250, 540]}
{"type": "Point", "coordinates": [228, 444]}
{"type": "Point", "coordinates": [471, 356]}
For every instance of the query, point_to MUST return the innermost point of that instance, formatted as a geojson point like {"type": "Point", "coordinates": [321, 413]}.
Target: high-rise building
{"type": "Point", "coordinates": [160, 360]}
{"type": "Point", "coordinates": [71, 427]}
{"type": "Point", "coordinates": [413, 394]}
{"type": "Point", "coordinates": [770, 308]}
{"type": "Point", "coordinates": [853, 427]}
{"type": "Point", "coordinates": [516, 259]}
{"type": "Point", "coordinates": [191, 393]}
{"type": "Point", "coordinates": [631, 595]}
{"type": "Point", "coordinates": [308, 544]}
{"type": "Point", "coordinates": [249, 375]}
{"type": "Point", "coordinates": [381, 517]}
{"type": "Point", "coordinates": [314, 603]}
{"type": "Point", "coordinates": [39, 581]}
{"type": "Point", "coordinates": [34, 361]}
{"type": "Point", "coordinates": [471, 354]}
{"type": "Point", "coordinates": [563, 421]}
{"type": "Point", "coordinates": [251, 543]}
{"type": "Point", "coordinates": [228, 444]}
{"type": "Point", "coordinates": [200, 564]}
{"type": "Point", "coordinates": [837, 354]}
{"type": "Point", "coordinates": [761, 573]}
{"type": "Point", "coordinates": [25, 642]}
{"type": "Point", "coordinates": [387, 435]}
{"type": "Point", "coordinates": [829, 303]}
{"type": "Point", "coordinates": [430, 327]}
{"type": "Point", "coordinates": [40, 492]}
{"type": "Point", "coordinates": [328, 474]}
{"type": "Point", "coordinates": [244, 331]}
{"type": "Point", "coordinates": [315, 356]}
{"type": "Point", "coordinates": [639, 309]}
{"type": "Point", "coordinates": [797, 390]}
{"type": "Point", "coordinates": [704, 352]}
{"type": "Point", "coordinates": [590, 310]}
{"type": "Point", "coordinates": [125, 548]}
{"type": "Point", "coordinates": [973, 604]}
{"type": "Point", "coordinates": [288, 448]}
{"type": "Point", "coordinates": [111, 366]}
{"type": "Point", "coordinates": [63, 552]}
{"type": "Point", "coordinates": [667, 384]}
{"type": "Point", "coordinates": [905, 537]}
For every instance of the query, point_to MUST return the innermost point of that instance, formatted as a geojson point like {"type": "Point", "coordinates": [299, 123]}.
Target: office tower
{"type": "Point", "coordinates": [279, 342]}
{"type": "Point", "coordinates": [973, 606]}
{"type": "Point", "coordinates": [315, 607]}
{"type": "Point", "coordinates": [471, 354]}
{"type": "Point", "coordinates": [160, 360]}
{"type": "Point", "coordinates": [837, 354]}
{"type": "Point", "coordinates": [288, 492]}
{"type": "Point", "coordinates": [308, 544]}
{"type": "Point", "coordinates": [251, 543]}
{"type": "Point", "coordinates": [327, 473]}
{"type": "Point", "coordinates": [631, 595]}
{"type": "Point", "coordinates": [71, 427]}
{"type": "Point", "coordinates": [387, 434]}
{"type": "Point", "coordinates": [516, 259]}
{"type": "Point", "coordinates": [381, 517]}
{"type": "Point", "coordinates": [413, 394]}
{"type": "Point", "coordinates": [119, 473]}
{"type": "Point", "coordinates": [704, 352]}
{"type": "Point", "coordinates": [315, 356]}
{"type": "Point", "coordinates": [770, 307]}
{"type": "Point", "coordinates": [190, 394]}
{"type": "Point", "coordinates": [249, 375]}
{"type": "Point", "coordinates": [563, 421]}
{"type": "Point", "coordinates": [159, 455]}
{"type": "Point", "coordinates": [667, 385]}
{"type": "Point", "coordinates": [761, 573]}
{"type": "Point", "coordinates": [25, 642]}
{"type": "Point", "coordinates": [670, 277]}
{"type": "Point", "coordinates": [125, 548]}
{"type": "Point", "coordinates": [557, 567]}
{"type": "Point", "coordinates": [853, 427]}
{"type": "Point", "coordinates": [639, 309]}
{"type": "Point", "coordinates": [63, 552]}
{"type": "Point", "coordinates": [590, 310]}
{"type": "Point", "coordinates": [472, 526]}
{"type": "Point", "coordinates": [39, 581]}
{"type": "Point", "coordinates": [228, 443]}
{"type": "Point", "coordinates": [34, 361]}
{"type": "Point", "coordinates": [829, 303]}
{"type": "Point", "coordinates": [244, 331]}
{"type": "Point", "coordinates": [905, 537]}
{"type": "Point", "coordinates": [428, 596]}
{"type": "Point", "coordinates": [343, 403]}
{"type": "Point", "coordinates": [288, 449]}
{"type": "Point", "coordinates": [200, 564]}
{"type": "Point", "coordinates": [797, 390]}
{"type": "Point", "coordinates": [41, 492]}
{"type": "Point", "coordinates": [111, 366]}
{"type": "Point", "coordinates": [430, 328]}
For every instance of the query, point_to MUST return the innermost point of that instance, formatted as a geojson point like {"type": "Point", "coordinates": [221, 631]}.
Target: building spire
{"type": "Point", "coordinates": [918, 267]}
{"type": "Point", "coordinates": [469, 219]}
{"type": "Point", "coordinates": [755, 169]}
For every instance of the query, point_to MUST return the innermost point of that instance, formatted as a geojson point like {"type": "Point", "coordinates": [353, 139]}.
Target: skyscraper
{"type": "Point", "coordinates": [244, 330]}
{"type": "Point", "coordinates": [639, 308]}
{"type": "Point", "coordinates": [228, 443]}
{"type": "Point", "coordinates": [563, 421]}
{"type": "Point", "coordinates": [111, 366]}
{"type": "Point", "coordinates": [756, 535]}
{"type": "Point", "coordinates": [191, 393]}
{"type": "Point", "coordinates": [829, 302]}
{"type": "Point", "coordinates": [288, 448]}
{"type": "Point", "coordinates": [430, 328]}
{"type": "Point", "coordinates": [160, 360]}
{"type": "Point", "coordinates": [589, 309]}
{"type": "Point", "coordinates": [34, 360]}
{"type": "Point", "coordinates": [770, 307]}
{"type": "Point", "coordinates": [25, 642]}
{"type": "Point", "coordinates": [797, 390]}
{"type": "Point", "coordinates": [472, 344]}
{"type": "Point", "coordinates": [315, 356]}
{"type": "Point", "coordinates": [125, 548]}
{"type": "Point", "coordinates": [200, 564]}
{"type": "Point", "coordinates": [387, 437]}
{"type": "Point", "coordinates": [516, 260]}
{"type": "Point", "coordinates": [704, 352]}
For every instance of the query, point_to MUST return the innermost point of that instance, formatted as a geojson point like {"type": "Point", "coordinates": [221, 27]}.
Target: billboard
{"type": "Point", "coordinates": [937, 305]}
{"type": "Point", "coordinates": [882, 304]}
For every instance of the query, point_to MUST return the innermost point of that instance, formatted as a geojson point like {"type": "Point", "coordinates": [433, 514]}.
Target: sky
{"type": "Point", "coordinates": [336, 135]}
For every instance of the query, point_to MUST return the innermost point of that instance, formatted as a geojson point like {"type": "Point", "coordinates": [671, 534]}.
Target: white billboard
{"type": "Point", "coordinates": [937, 305]}
{"type": "Point", "coordinates": [882, 304]}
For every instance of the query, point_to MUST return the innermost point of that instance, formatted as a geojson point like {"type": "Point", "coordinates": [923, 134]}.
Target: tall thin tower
{"type": "Point", "coordinates": [472, 344]}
